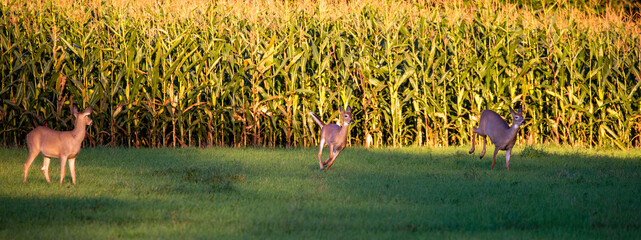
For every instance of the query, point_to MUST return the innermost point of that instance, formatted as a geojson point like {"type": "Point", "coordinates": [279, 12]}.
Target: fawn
{"type": "Point", "coordinates": [502, 135]}
{"type": "Point", "coordinates": [56, 144]}
{"type": "Point", "coordinates": [334, 136]}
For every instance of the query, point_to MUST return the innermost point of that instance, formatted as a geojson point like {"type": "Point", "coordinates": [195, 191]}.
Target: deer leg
{"type": "Point", "coordinates": [72, 168]}
{"type": "Point", "coordinates": [332, 162]}
{"type": "Point", "coordinates": [331, 154]}
{"type": "Point", "coordinates": [484, 143]}
{"type": "Point", "coordinates": [32, 156]}
{"type": "Point", "coordinates": [45, 168]}
{"type": "Point", "coordinates": [496, 150]}
{"type": "Point", "coordinates": [320, 153]}
{"type": "Point", "coordinates": [507, 158]}
{"type": "Point", "coordinates": [473, 144]}
{"type": "Point", "coordinates": [63, 163]}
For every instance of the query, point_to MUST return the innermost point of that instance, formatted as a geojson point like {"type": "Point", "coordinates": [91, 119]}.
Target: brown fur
{"type": "Point", "coordinates": [334, 136]}
{"type": "Point", "coordinates": [55, 144]}
{"type": "Point", "coordinates": [502, 136]}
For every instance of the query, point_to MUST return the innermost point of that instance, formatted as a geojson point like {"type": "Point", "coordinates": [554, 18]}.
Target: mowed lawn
{"type": "Point", "coordinates": [221, 193]}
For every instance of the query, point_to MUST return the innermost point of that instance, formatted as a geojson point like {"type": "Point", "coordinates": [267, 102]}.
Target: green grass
{"type": "Point", "coordinates": [280, 193]}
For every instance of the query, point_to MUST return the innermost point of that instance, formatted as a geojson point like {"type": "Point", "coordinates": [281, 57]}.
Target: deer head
{"type": "Point", "coordinates": [83, 117]}
{"type": "Point", "coordinates": [517, 118]}
{"type": "Point", "coordinates": [346, 116]}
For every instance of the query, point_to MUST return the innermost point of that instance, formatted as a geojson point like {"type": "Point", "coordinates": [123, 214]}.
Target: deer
{"type": "Point", "coordinates": [502, 136]}
{"type": "Point", "coordinates": [56, 144]}
{"type": "Point", "coordinates": [335, 136]}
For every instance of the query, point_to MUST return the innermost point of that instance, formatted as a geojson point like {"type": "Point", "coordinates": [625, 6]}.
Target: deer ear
{"type": "Point", "coordinates": [348, 109]}
{"type": "Point", "coordinates": [88, 110]}
{"type": "Point", "coordinates": [75, 112]}
{"type": "Point", "coordinates": [511, 110]}
{"type": "Point", "coordinates": [521, 110]}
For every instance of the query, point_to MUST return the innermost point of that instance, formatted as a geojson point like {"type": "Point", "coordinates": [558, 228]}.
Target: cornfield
{"type": "Point", "coordinates": [247, 73]}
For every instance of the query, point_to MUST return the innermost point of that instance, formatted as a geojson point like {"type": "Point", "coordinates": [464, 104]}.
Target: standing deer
{"type": "Point", "coordinates": [334, 136]}
{"type": "Point", "coordinates": [56, 144]}
{"type": "Point", "coordinates": [502, 135]}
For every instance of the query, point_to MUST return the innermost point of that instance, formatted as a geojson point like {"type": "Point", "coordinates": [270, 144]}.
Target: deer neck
{"type": "Point", "coordinates": [80, 130]}
{"type": "Point", "coordinates": [342, 134]}
{"type": "Point", "coordinates": [514, 129]}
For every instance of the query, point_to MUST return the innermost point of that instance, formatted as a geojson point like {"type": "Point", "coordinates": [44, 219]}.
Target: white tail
{"type": "Point", "coordinates": [502, 136]}
{"type": "Point", "coordinates": [55, 144]}
{"type": "Point", "coordinates": [334, 136]}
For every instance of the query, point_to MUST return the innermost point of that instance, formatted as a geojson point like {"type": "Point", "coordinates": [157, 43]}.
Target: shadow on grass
{"type": "Point", "coordinates": [34, 213]}
{"type": "Point", "coordinates": [167, 171]}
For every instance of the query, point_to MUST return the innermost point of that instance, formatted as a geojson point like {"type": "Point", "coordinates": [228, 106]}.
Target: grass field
{"type": "Point", "coordinates": [385, 193]}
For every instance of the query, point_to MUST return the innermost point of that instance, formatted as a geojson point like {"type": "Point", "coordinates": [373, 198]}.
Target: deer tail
{"type": "Point", "coordinates": [317, 119]}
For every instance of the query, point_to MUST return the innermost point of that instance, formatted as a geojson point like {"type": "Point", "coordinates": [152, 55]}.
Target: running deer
{"type": "Point", "coordinates": [56, 144]}
{"type": "Point", "coordinates": [334, 136]}
{"type": "Point", "coordinates": [502, 135]}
